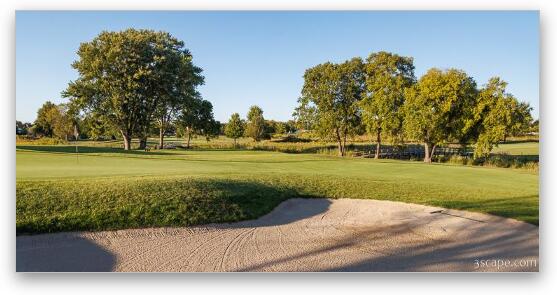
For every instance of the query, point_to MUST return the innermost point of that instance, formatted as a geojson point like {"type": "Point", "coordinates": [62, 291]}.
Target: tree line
{"type": "Point", "coordinates": [135, 83]}
{"type": "Point", "coordinates": [58, 121]}
{"type": "Point", "coordinates": [256, 126]}
{"type": "Point", "coordinates": [381, 96]}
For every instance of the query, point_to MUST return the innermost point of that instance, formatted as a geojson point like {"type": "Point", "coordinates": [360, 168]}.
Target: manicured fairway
{"type": "Point", "coordinates": [104, 188]}
{"type": "Point", "coordinates": [519, 148]}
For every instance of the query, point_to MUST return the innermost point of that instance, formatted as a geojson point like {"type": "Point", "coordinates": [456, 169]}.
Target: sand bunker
{"type": "Point", "coordinates": [301, 235]}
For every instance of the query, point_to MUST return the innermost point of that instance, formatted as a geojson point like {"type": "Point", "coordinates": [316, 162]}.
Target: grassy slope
{"type": "Point", "coordinates": [106, 189]}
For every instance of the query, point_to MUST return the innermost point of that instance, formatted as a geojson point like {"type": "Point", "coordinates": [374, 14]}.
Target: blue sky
{"type": "Point", "coordinates": [260, 57]}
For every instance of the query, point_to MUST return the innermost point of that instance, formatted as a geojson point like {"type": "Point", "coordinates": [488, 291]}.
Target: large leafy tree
{"type": "Point", "coordinates": [438, 108]}
{"type": "Point", "coordinates": [496, 115]}
{"type": "Point", "coordinates": [43, 124]}
{"type": "Point", "coordinates": [305, 114]}
{"type": "Point", "coordinates": [388, 75]}
{"type": "Point", "coordinates": [126, 75]}
{"type": "Point", "coordinates": [521, 118]}
{"type": "Point", "coordinates": [63, 122]}
{"type": "Point", "coordinates": [54, 121]}
{"type": "Point", "coordinates": [334, 91]}
{"type": "Point", "coordinates": [234, 128]}
{"type": "Point", "coordinates": [197, 119]}
{"type": "Point", "coordinates": [96, 127]}
{"type": "Point", "coordinates": [255, 127]}
{"type": "Point", "coordinates": [181, 95]}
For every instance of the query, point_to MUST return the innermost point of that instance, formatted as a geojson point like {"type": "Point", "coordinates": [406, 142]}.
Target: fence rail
{"type": "Point", "coordinates": [414, 151]}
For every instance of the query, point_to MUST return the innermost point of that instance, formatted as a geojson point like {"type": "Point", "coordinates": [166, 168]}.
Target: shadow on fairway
{"type": "Point", "coordinates": [71, 254]}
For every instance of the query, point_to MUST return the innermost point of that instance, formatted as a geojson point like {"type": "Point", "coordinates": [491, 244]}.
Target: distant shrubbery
{"type": "Point", "coordinates": [495, 160]}
{"type": "Point", "coordinates": [26, 140]}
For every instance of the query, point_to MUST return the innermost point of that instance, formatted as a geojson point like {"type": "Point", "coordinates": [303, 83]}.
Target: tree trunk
{"type": "Point", "coordinates": [429, 151]}
{"type": "Point", "coordinates": [161, 138]}
{"type": "Point", "coordinates": [427, 157]}
{"type": "Point", "coordinates": [340, 147]}
{"type": "Point", "coordinates": [235, 146]}
{"type": "Point", "coordinates": [127, 140]}
{"type": "Point", "coordinates": [378, 145]}
{"type": "Point", "coordinates": [143, 142]}
{"type": "Point", "coordinates": [75, 132]}
{"type": "Point", "coordinates": [344, 145]}
{"type": "Point", "coordinates": [189, 139]}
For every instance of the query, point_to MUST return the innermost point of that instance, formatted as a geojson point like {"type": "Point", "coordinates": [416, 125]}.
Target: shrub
{"type": "Point", "coordinates": [500, 160]}
{"type": "Point", "coordinates": [26, 140]}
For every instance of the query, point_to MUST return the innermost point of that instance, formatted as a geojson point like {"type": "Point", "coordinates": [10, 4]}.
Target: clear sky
{"type": "Point", "coordinates": [260, 57]}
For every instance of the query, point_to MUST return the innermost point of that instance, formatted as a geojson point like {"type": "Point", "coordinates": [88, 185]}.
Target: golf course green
{"type": "Point", "coordinates": [106, 188]}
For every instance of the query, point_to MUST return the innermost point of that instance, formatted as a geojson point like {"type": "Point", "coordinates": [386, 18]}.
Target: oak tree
{"type": "Point", "coordinates": [197, 119]}
{"type": "Point", "coordinates": [334, 91]}
{"type": "Point", "coordinates": [126, 75]}
{"type": "Point", "coordinates": [437, 108]}
{"type": "Point", "coordinates": [388, 75]}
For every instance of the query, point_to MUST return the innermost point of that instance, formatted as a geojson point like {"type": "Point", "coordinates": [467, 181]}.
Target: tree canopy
{"type": "Point", "coordinates": [255, 127]}
{"type": "Point", "coordinates": [234, 128]}
{"type": "Point", "coordinates": [43, 123]}
{"type": "Point", "coordinates": [497, 114]}
{"type": "Point", "coordinates": [135, 83]}
{"type": "Point", "coordinates": [197, 119]}
{"type": "Point", "coordinates": [127, 75]}
{"type": "Point", "coordinates": [388, 75]}
{"type": "Point", "coordinates": [438, 107]}
{"type": "Point", "coordinates": [335, 90]}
